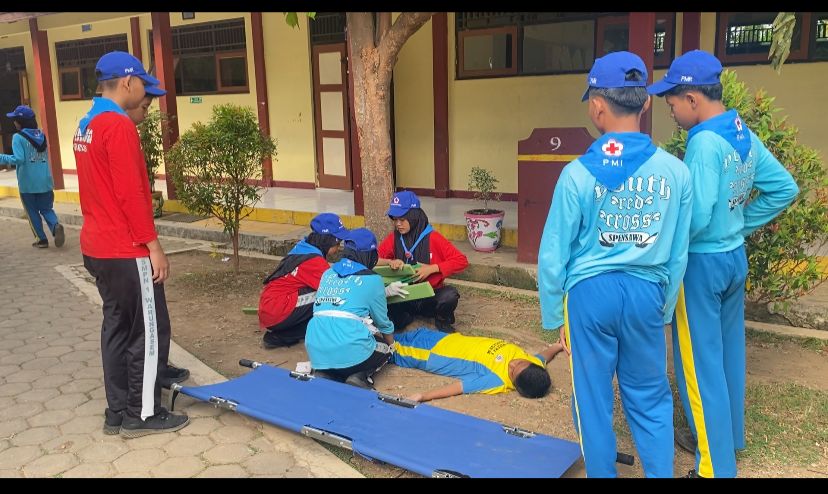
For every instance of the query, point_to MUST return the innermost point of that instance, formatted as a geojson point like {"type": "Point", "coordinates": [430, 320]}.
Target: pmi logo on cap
{"type": "Point", "coordinates": [129, 70]}
{"type": "Point", "coordinates": [686, 78]}
{"type": "Point", "coordinates": [396, 200]}
{"type": "Point", "coordinates": [593, 80]}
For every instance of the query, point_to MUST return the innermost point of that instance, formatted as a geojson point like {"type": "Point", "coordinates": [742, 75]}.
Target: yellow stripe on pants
{"type": "Point", "coordinates": [572, 373]}
{"type": "Point", "coordinates": [692, 385]}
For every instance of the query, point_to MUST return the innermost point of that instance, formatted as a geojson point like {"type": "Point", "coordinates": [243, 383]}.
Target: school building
{"type": "Point", "coordinates": [467, 86]}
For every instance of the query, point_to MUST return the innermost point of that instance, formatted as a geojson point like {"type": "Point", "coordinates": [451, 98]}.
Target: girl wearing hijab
{"type": "Point", "coordinates": [350, 336]}
{"type": "Point", "coordinates": [286, 302]}
{"type": "Point", "coordinates": [415, 241]}
{"type": "Point", "coordinates": [34, 179]}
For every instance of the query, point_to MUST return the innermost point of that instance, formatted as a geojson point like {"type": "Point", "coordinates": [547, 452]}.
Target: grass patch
{"type": "Point", "coordinates": [345, 455]}
{"type": "Point", "coordinates": [785, 424]}
{"type": "Point", "coordinates": [547, 336]}
{"type": "Point", "coordinates": [497, 294]}
{"type": "Point", "coordinates": [368, 468]}
{"type": "Point", "coordinates": [765, 338]}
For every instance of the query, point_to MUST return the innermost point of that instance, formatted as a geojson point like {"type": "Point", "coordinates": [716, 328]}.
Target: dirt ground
{"type": "Point", "coordinates": [205, 301]}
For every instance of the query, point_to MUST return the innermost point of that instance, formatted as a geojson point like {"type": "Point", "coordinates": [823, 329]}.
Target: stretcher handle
{"type": "Point", "coordinates": [624, 459]}
{"type": "Point", "coordinates": [245, 362]}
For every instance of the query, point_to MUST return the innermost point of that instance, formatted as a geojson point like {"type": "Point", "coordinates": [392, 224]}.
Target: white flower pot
{"type": "Point", "coordinates": [483, 228]}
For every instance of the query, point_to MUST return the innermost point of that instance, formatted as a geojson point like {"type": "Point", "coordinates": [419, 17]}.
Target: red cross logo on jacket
{"type": "Point", "coordinates": [612, 148]}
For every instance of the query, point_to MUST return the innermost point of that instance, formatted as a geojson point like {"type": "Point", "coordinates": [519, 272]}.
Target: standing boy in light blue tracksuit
{"type": "Point", "coordinates": [613, 252]}
{"type": "Point", "coordinates": [726, 161]}
{"type": "Point", "coordinates": [350, 316]}
{"type": "Point", "coordinates": [34, 179]}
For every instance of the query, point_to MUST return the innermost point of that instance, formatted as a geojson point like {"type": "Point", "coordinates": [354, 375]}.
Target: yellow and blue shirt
{"type": "Point", "coordinates": [481, 364]}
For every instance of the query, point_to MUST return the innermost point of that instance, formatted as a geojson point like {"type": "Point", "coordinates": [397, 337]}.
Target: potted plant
{"type": "Point", "coordinates": [483, 225]}
{"type": "Point", "coordinates": [150, 133]}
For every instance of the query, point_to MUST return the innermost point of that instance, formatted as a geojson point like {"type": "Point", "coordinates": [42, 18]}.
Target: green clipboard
{"type": "Point", "coordinates": [405, 274]}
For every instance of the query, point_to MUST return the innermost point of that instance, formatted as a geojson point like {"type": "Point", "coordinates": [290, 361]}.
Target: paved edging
{"type": "Point", "coordinates": [275, 244]}
{"type": "Point", "coordinates": [787, 330]}
{"type": "Point", "coordinates": [756, 325]}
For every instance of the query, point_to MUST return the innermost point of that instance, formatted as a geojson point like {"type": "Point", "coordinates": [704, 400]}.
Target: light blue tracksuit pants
{"type": "Point", "coordinates": [39, 206]}
{"type": "Point", "coordinates": [709, 357]}
{"type": "Point", "coordinates": [614, 325]}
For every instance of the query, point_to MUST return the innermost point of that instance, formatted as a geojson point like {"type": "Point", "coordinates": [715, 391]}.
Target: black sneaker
{"type": "Point", "coordinates": [444, 326]}
{"type": "Point", "coordinates": [161, 422]}
{"type": "Point", "coordinates": [41, 244]}
{"type": "Point", "coordinates": [325, 375]}
{"type": "Point", "coordinates": [112, 422]}
{"type": "Point", "coordinates": [685, 439]}
{"type": "Point", "coordinates": [172, 375]}
{"type": "Point", "coordinates": [269, 342]}
{"type": "Point", "coordinates": [59, 235]}
{"type": "Point", "coordinates": [360, 380]}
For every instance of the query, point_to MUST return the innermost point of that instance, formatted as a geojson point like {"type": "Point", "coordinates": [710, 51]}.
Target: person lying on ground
{"type": "Point", "coordinates": [482, 365]}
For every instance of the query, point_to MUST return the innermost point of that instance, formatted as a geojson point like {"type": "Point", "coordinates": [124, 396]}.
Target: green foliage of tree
{"type": "Point", "coordinates": [150, 133]}
{"type": "Point", "coordinates": [783, 28]}
{"type": "Point", "coordinates": [783, 264]}
{"type": "Point", "coordinates": [211, 166]}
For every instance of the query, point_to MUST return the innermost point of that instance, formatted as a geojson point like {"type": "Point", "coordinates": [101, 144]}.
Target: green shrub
{"type": "Point", "coordinates": [484, 185]}
{"type": "Point", "coordinates": [782, 255]}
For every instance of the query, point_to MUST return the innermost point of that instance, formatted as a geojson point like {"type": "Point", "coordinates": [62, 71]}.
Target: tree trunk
{"type": "Point", "coordinates": [236, 251]}
{"type": "Point", "coordinates": [374, 131]}
{"type": "Point", "coordinates": [373, 65]}
{"type": "Point", "coordinates": [235, 233]}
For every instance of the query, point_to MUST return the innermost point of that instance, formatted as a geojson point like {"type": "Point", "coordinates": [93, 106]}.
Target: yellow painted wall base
{"type": "Point", "coordinates": [283, 216]}
{"type": "Point", "coordinates": [455, 233]}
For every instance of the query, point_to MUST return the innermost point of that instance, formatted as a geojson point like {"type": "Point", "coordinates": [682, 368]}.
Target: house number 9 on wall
{"type": "Point", "coordinates": [555, 142]}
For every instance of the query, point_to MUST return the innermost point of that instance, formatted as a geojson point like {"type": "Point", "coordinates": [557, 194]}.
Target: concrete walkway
{"type": "Point", "coordinates": [52, 396]}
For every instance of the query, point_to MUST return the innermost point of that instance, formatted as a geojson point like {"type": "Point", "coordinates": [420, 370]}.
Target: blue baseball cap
{"type": "Point", "coordinates": [610, 71]}
{"type": "Point", "coordinates": [330, 224]}
{"type": "Point", "coordinates": [21, 111]}
{"type": "Point", "coordinates": [116, 64]}
{"type": "Point", "coordinates": [694, 68]}
{"type": "Point", "coordinates": [361, 240]}
{"type": "Point", "coordinates": [401, 202]}
{"type": "Point", "coordinates": [154, 91]}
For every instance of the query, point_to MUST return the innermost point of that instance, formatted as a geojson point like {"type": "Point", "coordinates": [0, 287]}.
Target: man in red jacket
{"type": "Point", "coordinates": [121, 250]}
{"type": "Point", "coordinates": [286, 301]}
{"type": "Point", "coordinates": [167, 374]}
{"type": "Point", "coordinates": [414, 241]}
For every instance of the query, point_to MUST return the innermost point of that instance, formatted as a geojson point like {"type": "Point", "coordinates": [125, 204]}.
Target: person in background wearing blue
{"type": "Point", "coordinates": [286, 301]}
{"type": "Point", "coordinates": [726, 162]}
{"type": "Point", "coordinates": [612, 255]}
{"type": "Point", "coordinates": [350, 336]}
{"type": "Point", "coordinates": [34, 178]}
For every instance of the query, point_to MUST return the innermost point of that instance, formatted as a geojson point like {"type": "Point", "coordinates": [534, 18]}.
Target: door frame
{"type": "Point", "coordinates": [332, 181]}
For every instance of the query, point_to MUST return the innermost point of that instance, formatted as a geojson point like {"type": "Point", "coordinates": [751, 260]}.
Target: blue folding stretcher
{"type": "Point", "coordinates": [421, 438]}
